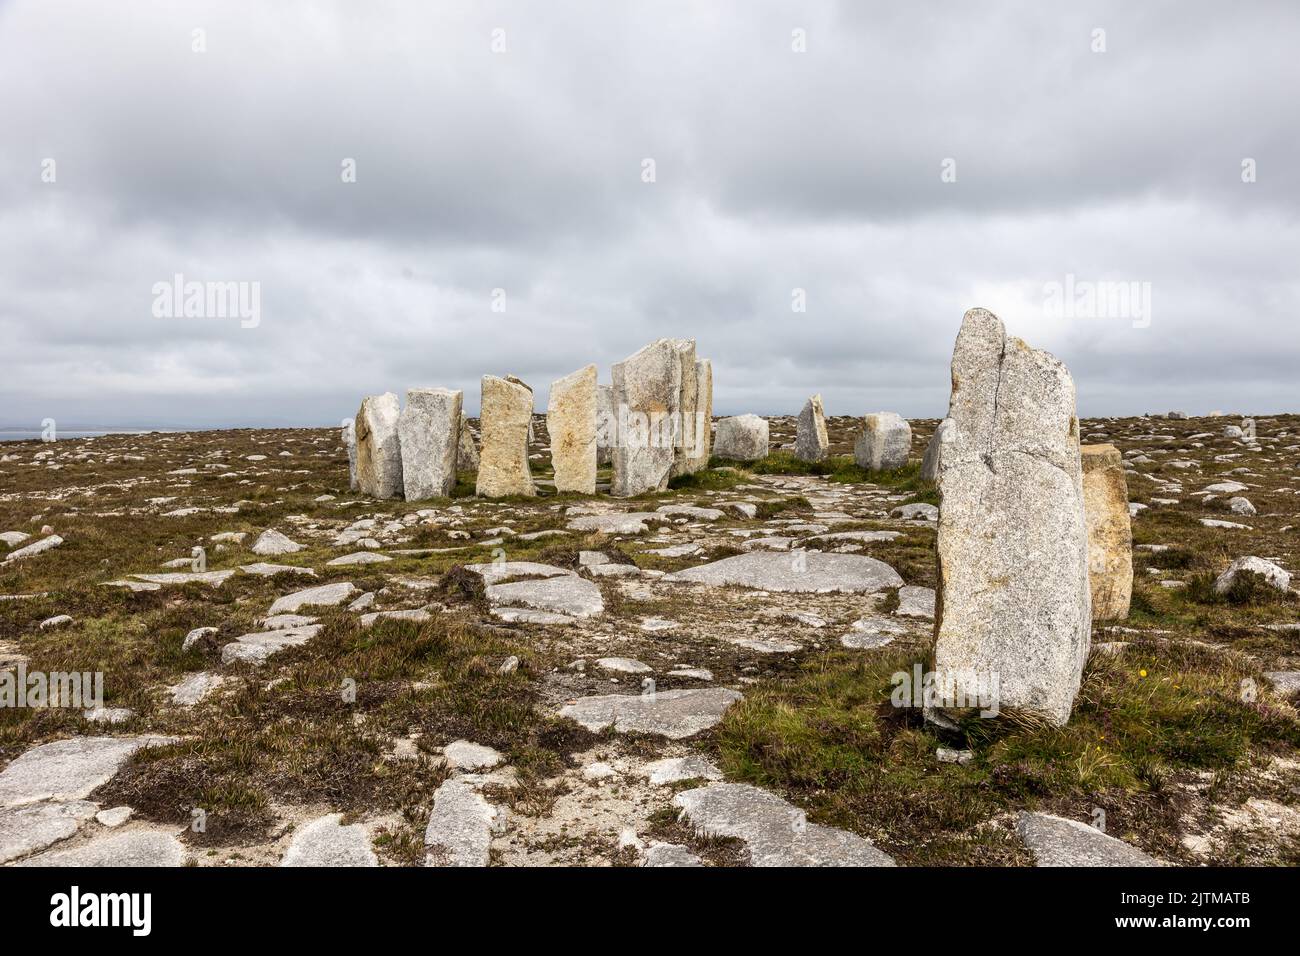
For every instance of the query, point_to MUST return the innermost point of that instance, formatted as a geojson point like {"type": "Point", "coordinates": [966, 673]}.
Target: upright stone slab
{"type": "Point", "coordinates": [571, 422]}
{"type": "Point", "coordinates": [379, 452]}
{"type": "Point", "coordinates": [934, 451]}
{"type": "Point", "coordinates": [350, 443]}
{"type": "Point", "coordinates": [742, 438]}
{"type": "Point", "coordinates": [606, 424]}
{"type": "Point", "coordinates": [647, 395]}
{"type": "Point", "coordinates": [688, 406]}
{"type": "Point", "coordinates": [700, 446]}
{"type": "Point", "coordinates": [1014, 609]}
{"type": "Point", "coordinates": [811, 443]}
{"type": "Point", "coordinates": [1110, 535]}
{"type": "Point", "coordinates": [885, 442]}
{"type": "Point", "coordinates": [429, 433]}
{"type": "Point", "coordinates": [504, 420]}
{"type": "Point", "coordinates": [466, 450]}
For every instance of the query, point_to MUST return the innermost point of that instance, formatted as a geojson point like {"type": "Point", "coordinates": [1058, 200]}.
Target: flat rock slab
{"type": "Point", "coordinates": [915, 602]}
{"type": "Point", "coordinates": [670, 713]}
{"type": "Point", "coordinates": [631, 523]}
{"type": "Point", "coordinates": [796, 572]}
{"type": "Point", "coordinates": [264, 570]}
{"type": "Point", "coordinates": [675, 769]}
{"type": "Point", "coordinates": [194, 688]}
{"type": "Point", "coordinates": [499, 571]}
{"type": "Point", "coordinates": [568, 594]}
{"type": "Point", "coordinates": [211, 578]}
{"type": "Point", "coordinates": [776, 833]}
{"type": "Point", "coordinates": [68, 769]}
{"type": "Point", "coordinates": [255, 648]}
{"type": "Point", "coordinates": [136, 848]}
{"type": "Point", "coordinates": [26, 829]}
{"type": "Point", "coordinates": [327, 595]}
{"type": "Point", "coordinates": [670, 854]}
{"type": "Point", "coordinates": [1056, 841]}
{"type": "Point", "coordinates": [326, 842]}
{"type": "Point", "coordinates": [459, 832]}
{"type": "Point", "coordinates": [465, 755]}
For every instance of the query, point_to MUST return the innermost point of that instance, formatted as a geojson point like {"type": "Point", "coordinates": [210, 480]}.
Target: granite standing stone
{"type": "Point", "coordinates": [606, 424]}
{"type": "Point", "coordinates": [466, 450]}
{"type": "Point", "coordinates": [700, 439]}
{"type": "Point", "coordinates": [1110, 535]}
{"type": "Point", "coordinates": [647, 397]}
{"type": "Point", "coordinates": [885, 442]}
{"type": "Point", "coordinates": [811, 443]}
{"type": "Point", "coordinates": [1014, 609]}
{"type": "Point", "coordinates": [571, 422]}
{"type": "Point", "coordinates": [934, 451]}
{"type": "Point", "coordinates": [507, 411]}
{"type": "Point", "coordinates": [742, 438]}
{"type": "Point", "coordinates": [350, 443]}
{"type": "Point", "coordinates": [379, 453]}
{"type": "Point", "coordinates": [429, 435]}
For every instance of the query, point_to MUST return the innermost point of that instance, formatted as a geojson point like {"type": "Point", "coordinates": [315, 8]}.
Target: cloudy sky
{"type": "Point", "coordinates": [888, 164]}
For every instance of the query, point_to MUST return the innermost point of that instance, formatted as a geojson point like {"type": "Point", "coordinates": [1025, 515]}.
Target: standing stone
{"type": "Point", "coordinates": [350, 443]}
{"type": "Point", "coordinates": [1110, 535]}
{"type": "Point", "coordinates": [606, 424]}
{"type": "Point", "coordinates": [687, 406]}
{"type": "Point", "coordinates": [466, 451]}
{"type": "Point", "coordinates": [507, 411]}
{"type": "Point", "coordinates": [379, 452]}
{"type": "Point", "coordinates": [1014, 609]}
{"type": "Point", "coordinates": [700, 445]}
{"type": "Point", "coordinates": [934, 451]}
{"type": "Point", "coordinates": [429, 433]}
{"type": "Point", "coordinates": [742, 438]}
{"type": "Point", "coordinates": [647, 395]}
{"type": "Point", "coordinates": [811, 443]}
{"type": "Point", "coordinates": [885, 442]}
{"type": "Point", "coordinates": [571, 422]}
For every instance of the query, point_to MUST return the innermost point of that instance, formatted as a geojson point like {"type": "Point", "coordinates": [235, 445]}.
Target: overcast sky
{"type": "Point", "coordinates": [913, 160]}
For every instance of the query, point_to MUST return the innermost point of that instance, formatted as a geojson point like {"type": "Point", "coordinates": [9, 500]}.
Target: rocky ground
{"type": "Point", "coordinates": [566, 680]}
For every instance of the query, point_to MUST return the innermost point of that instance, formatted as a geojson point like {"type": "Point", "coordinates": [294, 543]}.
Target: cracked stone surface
{"type": "Point", "coordinates": [68, 769]}
{"type": "Point", "coordinates": [795, 572]}
{"type": "Point", "coordinates": [671, 713]}
{"type": "Point", "coordinates": [776, 833]}
{"type": "Point", "coordinates": [1056, 841]}
{"type": "Point", "coordinates": [327, 842]}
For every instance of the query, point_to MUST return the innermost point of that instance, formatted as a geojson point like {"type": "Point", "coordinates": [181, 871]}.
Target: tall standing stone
{"type": "Point", "coordinates": [700, 446]}
{"type": "Point", "coordinates": [606, 424]}
{"type": "Point", "coordinates": [350, 443]}
{"type": "Point", "coordinates": [379, 452]}
{"type": "Point", "coordinates": [647, 394]}
{"type": "Point", "coordinates": [811, 443]}
{"type": "Point", "coordinates": [934, 451]}
{"type": "Point", "coordinates": [1110, 534]}
{"type": "Point", "coordinates": [1014, 608]}
{"type": "Point", "coordinates": [885, 442]}
{"type": "Point", "coordinates": [504, 419]}
{"type": "Point", "coordinates": [429, 429]}
{"type": "Point", "coordinates": [466, 450]}
{"type": "Point", "coordinates": [688, 406]}
{"type": "Point", "coordinates": [571, 423]}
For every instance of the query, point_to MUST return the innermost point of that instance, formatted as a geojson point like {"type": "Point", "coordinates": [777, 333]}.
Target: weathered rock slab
{"type": "Point", "coordinates": [775, 832]}
{"type": "Point", "coordinates": [795, 572]}
{"type": "Point", "coordinates": [1056, 841]}
{"type": "Point", "coordinates": [670, 713]}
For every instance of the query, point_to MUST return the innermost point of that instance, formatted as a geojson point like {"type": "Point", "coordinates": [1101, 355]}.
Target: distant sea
{"type": "Point", "coordinates": [30, 434]}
